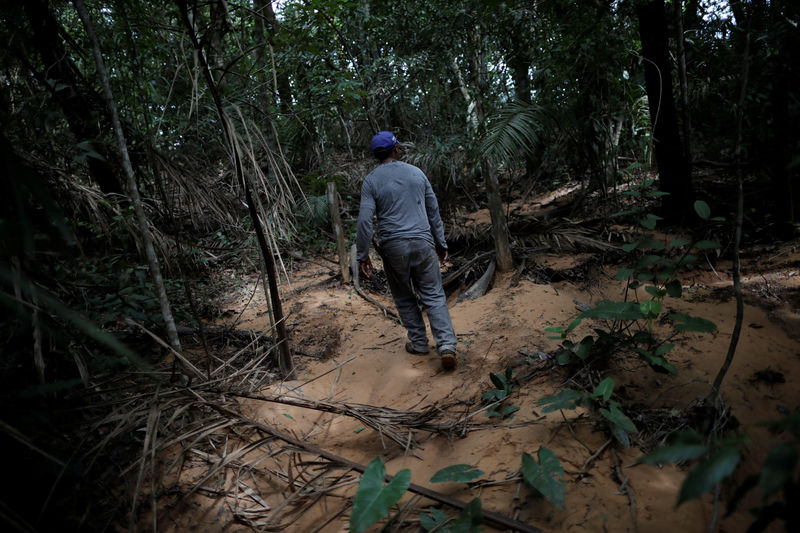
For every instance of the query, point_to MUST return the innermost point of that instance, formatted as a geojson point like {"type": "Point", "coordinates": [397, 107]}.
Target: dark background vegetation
{"type": "Point", "coordinates": [536, 94]}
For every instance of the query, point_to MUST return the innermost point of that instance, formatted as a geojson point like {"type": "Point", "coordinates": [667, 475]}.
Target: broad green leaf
{"type": "Point", "coordinates": [564, 357]}
{"type": "Point", "coordinates": [498, 381]}
{"type": "Point", "coordinates": [702, 209]}
{"type": "Point", "coordinates": [705, 476]}
{"type": "Point", "coordinates": [511, 409]}
{"type": "Point", "coordinates": [574, 324]}
{"type": "Point", "coordinates": [614, 310]}
{"type": "Point", "coordinates": [583, 348]}
{"type": "Point", "coordinates": [618, 418]}
{"type": "Point", "coordinates": [655, 291]}
{"type": "Point", "coordinates": [778, 469]}
{"type": "Point", "coordinates": [707, 245]}
{"type": "Point", "coordinates": [565, 399]}
{"type": "Point", "coordinates": [624, 273]}
{"type": "Point", "coordinates": [468, 521]}
{"type": "Point", "coordinates": [657, 194]}
{"type": "Point", "coordinates": [675, 453]}
{"type": "Point", "coordinates": [674, 288]}
{"type": "Point", "coordinates": [656, 361]}
{"type": "Point", "coordinates": [546, 476]}
{"type": "Point", "coordinates": [664, 349]}
{"type": "Point", "coordinates": [650, 221]}
{"type": "Point", "coordinates": [630, 246]}
{"type": "Point", "coordinates": [652, 244]}
{"type": "Point", "coordinates": [457, 474]}
{"type": "Point", "coordinates": [678, 243]}
{"type": "Point", "coordinates": [687, 323]}
{"type": "Point", "coordinates": [373, 500]}
{"type": "Point", "coordinates": [650, 308]}
{"type": "Point", "coordinates": [604, 389]}
{"type": "Point", "coordinates": [647, 260]}
{"type": "Point", "coordinates": [687, 260]}
{"type": "Point", "coordinates": [436, 519]}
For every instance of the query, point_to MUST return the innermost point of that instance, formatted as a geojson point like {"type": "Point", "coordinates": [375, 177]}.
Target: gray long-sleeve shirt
{"type": "Point", "coordinates": [403, 200]}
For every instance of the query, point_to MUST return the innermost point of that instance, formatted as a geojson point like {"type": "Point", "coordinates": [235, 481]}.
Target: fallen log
{"type": "Point", "coordinates": [480, 287]}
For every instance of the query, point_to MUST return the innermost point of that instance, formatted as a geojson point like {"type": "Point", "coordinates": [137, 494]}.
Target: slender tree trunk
{"type": "Point", "coordinates": [686, 119]}
{"type": "Point", "coordinates": [285, 363]}
{"type": "Point", "coordinates": [133, 191]}
{"type": "Point", "coordinates": [737, 281]}
{"type": "Point", "coordinates": [673, 170]}
{"type": "Point", "coordinates": [500, 233]}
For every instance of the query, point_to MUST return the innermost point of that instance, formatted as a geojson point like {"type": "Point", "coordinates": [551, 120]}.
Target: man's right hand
{"type": "Point", "coordinates": [442, 253]}
{"type": "Point", "coordinates": [365, 267]}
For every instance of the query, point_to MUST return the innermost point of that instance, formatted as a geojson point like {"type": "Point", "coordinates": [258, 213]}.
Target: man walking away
{"type": "Point", "coordinates": [411, 239]}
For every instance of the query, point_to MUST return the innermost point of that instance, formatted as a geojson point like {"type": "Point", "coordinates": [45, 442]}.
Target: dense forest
{"type": "Point", "coordinates": [157, 154]}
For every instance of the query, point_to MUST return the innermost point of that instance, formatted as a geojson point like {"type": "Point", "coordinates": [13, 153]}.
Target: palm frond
{"type": "Point", "coordinates": [514, 132]}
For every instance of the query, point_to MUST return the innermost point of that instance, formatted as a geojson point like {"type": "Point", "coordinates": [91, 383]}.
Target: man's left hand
{"type": "Point", "coordinates": [442, 253]}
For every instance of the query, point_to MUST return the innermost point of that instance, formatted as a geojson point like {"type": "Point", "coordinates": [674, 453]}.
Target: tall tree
{"type": "Point", "coordinates": [673, 168]}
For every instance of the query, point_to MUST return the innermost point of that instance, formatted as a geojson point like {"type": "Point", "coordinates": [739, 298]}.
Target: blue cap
{"type": "Point", "coordinates": [383, 142]}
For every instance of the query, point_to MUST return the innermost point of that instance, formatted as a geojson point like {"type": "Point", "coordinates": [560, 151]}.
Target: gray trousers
{"type": "Point", "coordinates": [412, 268]}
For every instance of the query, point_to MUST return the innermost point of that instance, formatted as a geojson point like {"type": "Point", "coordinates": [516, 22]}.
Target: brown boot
{"type": "Point", "coordinates": [448, 359]}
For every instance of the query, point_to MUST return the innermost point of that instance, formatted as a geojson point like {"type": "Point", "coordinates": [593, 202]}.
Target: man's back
{"type": "Point", "coordinates": [403, 200]}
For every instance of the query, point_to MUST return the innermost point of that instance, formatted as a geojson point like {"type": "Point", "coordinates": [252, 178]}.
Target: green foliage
{"type": "Point", "coordinates": [468, 520]}
{"type": "Point", "coordinates": [546, 476]}
{"type": "Point", "coordinates": [503, 387]}
{"type": "Point", "coordinates": [373, 499]}
{"type": "Point", "coordinates": [617, 423]}
{"type": "Point", "coordinates": [457, 474]}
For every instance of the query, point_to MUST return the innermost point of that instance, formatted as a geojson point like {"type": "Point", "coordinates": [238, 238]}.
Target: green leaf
{"type": "Point", "coordinates": [683, 446]}
{"type": "Point", "coordinates": [707, 245]}
{"type": "Point", "coordinates": [618, 418]}
{"type": "Point", "coordinates": [647, 260]}
{"type": "Point", "coordinates": [498, 381]}
{"type": "Point", "coordinates": [565, 399]}
{"type": "Point", "coordinates": [624, 273]}
{"type": "Point", "coordinates": [614, 310]}
{"type": "Point", "coordinates": [778, 469]}
{"type": "Point", "coordinates": [652, 244]}
{"type": "Point", "coordinates": [457, 474]}
{"type": "Point", "coordinates": [546, 476]}
{"type": "Point", "coordinates": [373, 500]}
{"type": "Point", "coordinates": [664, 349]}
{"type": "Point", "coordinates": [709, 473]}
{"type": "Point", "coordinates": [674, 288]}
{"type": "Point", "coordinates": [655, 291]}
{"type": "Point", "coordinates": [583, 348]}
{"type": "Point", "coordinates": [469, 519]}
{"type": "Point", "coordinates": [650, 221]}
{"type": "Point", "coordinates": [511, 409]}
{"type": "Point", "coordinates": [604, 389]}
{"type": "Point", "coordinates": [702, 209]}
{"type": "Point", "coordinates": [574, 324]}
{"type": "Point", "coordinates": [435, 520]}
{"type": "Point", "coordinates": [678, 243]}
{"type": "Point", "coordinates": [630, 246]}
{"type": "Point", "coordinates": [650, 308]}
{"type": "Point", "coordinates": [687, 323]}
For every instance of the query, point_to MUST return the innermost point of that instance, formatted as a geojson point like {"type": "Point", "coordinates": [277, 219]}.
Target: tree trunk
{"type": "Point", "coordinates": [67, 86]}
{"type": "Point", "coordinates": [686, 119]}
{"type": "Point", "coordinates": [784, 72]}
{"type": "Point", "coordinates": [285, 363]}
{"type": "Point", "coordinates": [141, 218]}
{"type": "Point", "coordinates": [673, 170]}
